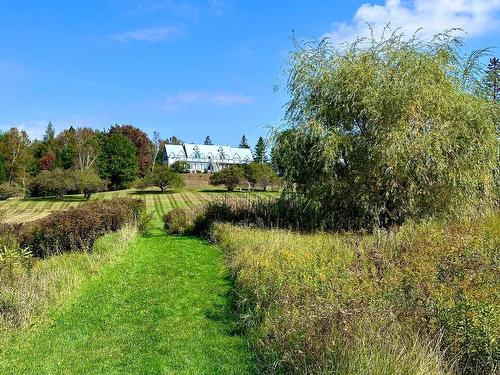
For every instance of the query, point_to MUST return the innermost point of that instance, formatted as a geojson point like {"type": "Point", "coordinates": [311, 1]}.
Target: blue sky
{"type": "Point", "coordinates": [185, 68]}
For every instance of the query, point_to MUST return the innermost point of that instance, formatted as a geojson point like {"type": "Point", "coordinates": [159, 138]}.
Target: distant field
{"type": "Point", "coordinates": [31, 209]}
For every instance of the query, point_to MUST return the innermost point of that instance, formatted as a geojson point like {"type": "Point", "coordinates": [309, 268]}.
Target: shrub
{"type": "Point", "coordinates": [230, 177]}
{"type": "Point", "coordinates": [75, 229]}
{"type": "Point", "coordinates": [181, 220]}
{"type": "Point", "coordinates": [288, 211]}
{"type": "Point", "coordinates": [10, 190]}
{"type": "Point", "coordinates": [379, 304]}
{"type": "Point", "coordinates": [52, 183]}
{"type": "Point", "coordinates": [181, 166]}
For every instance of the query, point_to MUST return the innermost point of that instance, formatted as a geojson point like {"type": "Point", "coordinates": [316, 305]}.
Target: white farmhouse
{"type": "Point", "coordinates": [207, 158]}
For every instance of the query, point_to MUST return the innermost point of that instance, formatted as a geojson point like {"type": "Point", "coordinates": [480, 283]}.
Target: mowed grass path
{"type": "Point", "coordinates": [163, 308]}
{"type": "Point", "coordinates": [31, 209]}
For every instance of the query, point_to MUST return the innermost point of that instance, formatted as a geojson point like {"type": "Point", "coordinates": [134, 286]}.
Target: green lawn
{"type": "Point", "coordinates": [36, 208]}
{"type": "Point", "coordinates": [162, 308]}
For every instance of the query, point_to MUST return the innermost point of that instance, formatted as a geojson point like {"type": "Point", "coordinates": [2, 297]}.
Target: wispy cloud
{"type": "Point", "coordinates": [35, 128]}
{"type": "Point", "coordinates": [173, 102]}
{"type": "Point", "coordinates": [476, 17]}
{"type": "Point", "coordinates": [153, 34]}
{"type": "Point", "coordinates": [217, 6]}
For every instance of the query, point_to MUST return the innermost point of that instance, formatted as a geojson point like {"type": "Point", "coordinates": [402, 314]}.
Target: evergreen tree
{"type": "Point", "coordinates": [173, 140]}
{"type": "Point", "coordinates": [260, 151]}
{"type": "Point", "coordinates": [50, 133]}
{"type": "Point", "coordinates": [208, 141]}
{"type": "Point", "coordinates": [493, 79]}
{"type": "Point", "coordinates": [244, 142]}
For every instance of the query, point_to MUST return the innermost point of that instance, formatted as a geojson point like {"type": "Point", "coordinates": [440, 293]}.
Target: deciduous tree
{"type": "Point", "coordinates": [141, 142]}
{"type": "Point", "coordinates": [14, 147]}
{"type": "Point", "coordinates": [389, 129]}
{"type": "Point", "coordinates": [164, 178]}
{"type": "Point", "coordinates": [117, 161]}
{"type": "Point", "coordinates": [230, 177]}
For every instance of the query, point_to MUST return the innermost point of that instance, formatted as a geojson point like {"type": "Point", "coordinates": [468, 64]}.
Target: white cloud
{"type": "Point", "coordinates": [35, 128]}
{"type": "Point", "coordinates": [476, 17]}
{"type": "Point", "coordinates": [154, 34]}
{"type": "Point", "coordinates": [173, 102]}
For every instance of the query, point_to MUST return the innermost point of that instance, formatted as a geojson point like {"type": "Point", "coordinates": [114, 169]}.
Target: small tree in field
{"type": "Point", "coordinates": [230, 177]}
{"type": "Point", "coordinates": [259, 174]}
{"type": "Point", "coordinates": [267, 176]}
{"type": "Point", "coordinates": [88, 182]}
{"type": "Point", "coordinates": [164, 178]}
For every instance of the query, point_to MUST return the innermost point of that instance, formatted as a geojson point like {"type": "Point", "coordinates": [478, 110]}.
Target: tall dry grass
{"type": "Point", "coordinates": [422, 299]}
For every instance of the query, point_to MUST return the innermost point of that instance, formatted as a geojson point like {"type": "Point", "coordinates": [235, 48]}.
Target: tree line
{"type": "Point", "coordinates": [84, 160]}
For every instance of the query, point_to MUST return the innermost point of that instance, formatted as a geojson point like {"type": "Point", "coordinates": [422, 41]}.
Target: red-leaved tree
{"type": "Point", "coordinates": [140, 141]}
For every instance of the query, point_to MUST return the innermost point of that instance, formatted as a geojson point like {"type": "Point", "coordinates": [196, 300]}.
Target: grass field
{"type": "Point", "coordinates": [163, 307]}
{"type": "Point", "coordinates": [22, 210]}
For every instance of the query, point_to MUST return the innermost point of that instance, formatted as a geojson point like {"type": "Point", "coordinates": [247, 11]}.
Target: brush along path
{"type": "Point", "coordinates": [164, 308]}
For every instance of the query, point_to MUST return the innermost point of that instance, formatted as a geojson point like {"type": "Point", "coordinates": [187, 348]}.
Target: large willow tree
{"type": "Point", "coordinates": [389, 129]}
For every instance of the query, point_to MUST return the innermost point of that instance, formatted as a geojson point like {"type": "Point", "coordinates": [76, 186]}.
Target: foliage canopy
{"type": "Point", "coordinates": [164, 178]}
{"type": "Point", "coordinates": [230, 177]}
{"type": "Point", "coordinates": [390, 129]}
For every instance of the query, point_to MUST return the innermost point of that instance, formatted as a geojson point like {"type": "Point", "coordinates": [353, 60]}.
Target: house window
{"type": "Point", "coordinates": [196, 154]}
{"type": "Point", "coordinates": [220, 150]}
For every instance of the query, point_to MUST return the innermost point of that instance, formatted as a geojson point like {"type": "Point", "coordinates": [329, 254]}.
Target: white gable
{"type": "Point", "coordinates": [174, 151]}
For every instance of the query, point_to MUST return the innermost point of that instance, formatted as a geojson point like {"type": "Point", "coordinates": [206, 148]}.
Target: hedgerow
{"type": "Point", "coordinates": [75, 229]}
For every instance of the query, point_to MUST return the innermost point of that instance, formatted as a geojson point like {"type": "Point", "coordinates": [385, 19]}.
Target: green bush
{"type": "Point", "coordinates": [181, 220]}
{"type": "Point", "coordinates": [10, 190]}
{"type": "Point", "coordinates": [422, 297]}
{"type": "Point", "coordinates": [181, 166]}
{"type": "Point", "coordinates": [292, 212]}
{"type": "Point", "coordinates": [53, 183]}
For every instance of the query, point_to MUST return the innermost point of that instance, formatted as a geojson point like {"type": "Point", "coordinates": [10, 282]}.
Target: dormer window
{"type": "Point", "coordinates": [196, 154]}
{"type": "Point", "coordinates": [221, 153]}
